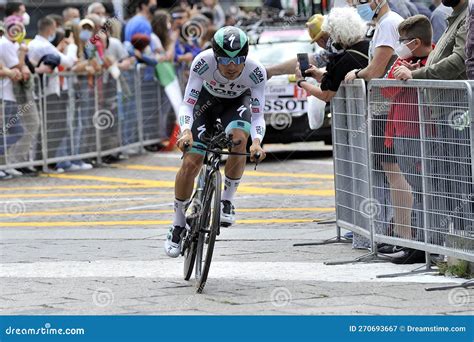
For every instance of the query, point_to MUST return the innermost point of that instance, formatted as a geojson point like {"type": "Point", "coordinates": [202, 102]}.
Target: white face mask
{"type": "Point", "coordinates": [403, 51]}
{"type": "Point", "coordinates": [26, 19]}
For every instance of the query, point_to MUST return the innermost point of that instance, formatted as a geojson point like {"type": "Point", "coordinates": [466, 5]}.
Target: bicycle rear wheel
{"type": "Point", "coordinates": [208, 228]}
{"type": "Point", "coordinates": [190, 244]}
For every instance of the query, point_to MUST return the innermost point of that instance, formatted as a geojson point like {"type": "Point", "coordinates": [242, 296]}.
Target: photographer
{"type": "Point", "coordinates": [347, 30]}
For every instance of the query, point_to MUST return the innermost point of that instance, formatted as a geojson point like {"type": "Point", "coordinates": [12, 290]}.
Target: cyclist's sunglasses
{"type": "Point", "coordinates": [227, 60]}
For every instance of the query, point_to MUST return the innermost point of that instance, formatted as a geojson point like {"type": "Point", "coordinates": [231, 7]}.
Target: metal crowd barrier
{"type": "Point", "coordinates": [423, 142]}
{"type": "Point", "coordinates": [403, 164]}
{"type": "Point", "coordinates": [349, 126]}
{"type": "Point", "coordinates": [66, 117]}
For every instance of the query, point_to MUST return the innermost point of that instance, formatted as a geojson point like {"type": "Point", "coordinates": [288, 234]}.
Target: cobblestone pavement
{"type": "Point", "coordinates": [92, 243]}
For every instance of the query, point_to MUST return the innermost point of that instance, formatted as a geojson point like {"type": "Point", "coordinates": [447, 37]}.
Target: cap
{"type": "Point", "coordinates": [314, 25]}
{"type": "Point", "coordinates": [86, 22]}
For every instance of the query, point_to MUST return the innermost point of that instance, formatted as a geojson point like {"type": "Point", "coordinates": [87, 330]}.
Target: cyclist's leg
{"type": "Point", "coordinates": [192, 161]}
{"type": "Point", "coordinates": [236, 119]}
{"type": "Point", "coordinates": [184, 182]}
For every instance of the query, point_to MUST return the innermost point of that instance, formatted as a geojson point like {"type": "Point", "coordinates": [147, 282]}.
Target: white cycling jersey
{"type": "Point", "coordinates": [204, 73]}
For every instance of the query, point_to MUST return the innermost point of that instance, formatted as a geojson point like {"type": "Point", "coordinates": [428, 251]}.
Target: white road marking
{"type": "Point", "coordinates": [253, 271]}
{"type": "Point", "coordinates": [313, 162]}
{"type": "Point", "coordinates": [171, 204]}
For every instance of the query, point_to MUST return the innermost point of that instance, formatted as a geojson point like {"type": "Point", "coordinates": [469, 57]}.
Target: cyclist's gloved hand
{"type": "Point", "coordinates": [256, 149]}
{"type": "Point", "coordinates": [186, 141]}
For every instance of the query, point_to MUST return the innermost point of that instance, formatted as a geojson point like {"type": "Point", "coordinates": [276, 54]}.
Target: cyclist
{"type": "Point", "coordinates": [223, 84]}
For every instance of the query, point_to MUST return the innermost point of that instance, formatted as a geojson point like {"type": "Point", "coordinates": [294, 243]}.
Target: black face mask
{"type": "Point", "coordinates": [451, 3]}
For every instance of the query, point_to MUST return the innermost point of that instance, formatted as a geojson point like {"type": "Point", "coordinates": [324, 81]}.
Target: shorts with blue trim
{"type": "Point", "coordinates": [234, 113]}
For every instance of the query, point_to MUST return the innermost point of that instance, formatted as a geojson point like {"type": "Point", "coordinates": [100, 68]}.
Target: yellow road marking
{"type": "Point", "coordinates": [149, 182]}
{"type": "Point", "coordinates": [284, 183]}
{"type": "Point", "coordinates": [86, 194]}
{"type": "Point", "coordinates": [291, 192]}
{"type": "Point", "coordinates": [135, 223]}
{"type": "Point", "coordinates": [76, 187]}
{"type": "Point", "coordinates": [137, 186]}
{"type": "Point", "coordinates": [159, 211]}
{"type": "Point", "coordinates": [242, 190]}
{"type": "Point", "coordinates": [102, 205]}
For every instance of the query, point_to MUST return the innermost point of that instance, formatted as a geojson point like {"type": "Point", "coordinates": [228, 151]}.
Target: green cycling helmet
{"type": "Point", "coordinates": [230, 41]}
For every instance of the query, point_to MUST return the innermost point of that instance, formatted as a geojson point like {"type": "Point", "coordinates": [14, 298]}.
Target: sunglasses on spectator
{"type": "Point", "coordinates": [359, 2]}
{"type": "Point", "coordinates": [401, 40]}
{"type": "Point", "coordinates": [227, 60]}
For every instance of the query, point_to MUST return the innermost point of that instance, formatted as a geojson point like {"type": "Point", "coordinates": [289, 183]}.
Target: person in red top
{"type": "Point", "coordinates": [402, 129]}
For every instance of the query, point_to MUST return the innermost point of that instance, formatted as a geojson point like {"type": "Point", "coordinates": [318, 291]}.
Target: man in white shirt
{"type": "Point", "coordinates": [12, 122]}
{"type": "Point", "coordinates": [56, 102]}
{"type": "Point", "coordinates": [382, 56]}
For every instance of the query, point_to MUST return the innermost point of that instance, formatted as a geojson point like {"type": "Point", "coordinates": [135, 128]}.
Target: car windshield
{"type": "Point", "coordinates": [274, 53]}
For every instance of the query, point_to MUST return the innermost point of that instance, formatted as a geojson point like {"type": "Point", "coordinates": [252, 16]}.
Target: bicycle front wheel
{"type": "Point", "coordinates": [209, 226]}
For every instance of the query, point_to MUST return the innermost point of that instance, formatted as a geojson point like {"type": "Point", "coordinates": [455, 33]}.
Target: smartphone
{"type": "Point", "coordinates": [67, 33]}
{"type": "Point", "coordinates": [303, 60]}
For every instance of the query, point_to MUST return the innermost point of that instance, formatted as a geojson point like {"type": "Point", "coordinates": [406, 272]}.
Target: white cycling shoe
{"type": "Point", "coordinates": [174, 241]}
{"type": "Point", "coordinates": [227, 213]}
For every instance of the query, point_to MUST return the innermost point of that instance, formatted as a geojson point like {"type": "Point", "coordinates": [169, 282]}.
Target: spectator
{"type": "Point", "coordinates": [17, 8]}
{"type": "Point", "coordinates": [165, 38]}
{"type": "Point", "coordinates": [230, 20]}
{"type": "Point", "coordinates": [381, 56]}
{"type": "Point", "coordinates": [140, 23]}
{"type": "Point", "coordinates": [186, 47]}
{"type": "Point", "coordinates": [217, 12]}
{"type": "Point", "coordinates": [422, 8]}
{"type": "Point", "coordinates": [346, 29]}
{"type": "Point", "coordinates": [23, 90]}
{"type": "Point", "coordinates": [40, 50]}
{"type": "Point", "coordinates": [72, 14]}
{"type": "Point", "coordinates": [179, 17]}
{"type": "Point", "coordinates": [447, 61]}
{"type": "Point", "coordinates": [470, 43]}
{"type": "Point", "coordinates": [11, 57]}
{"type": "Point", "coordinates": [439, 19]}
{"type": "Point", "coordinates": [97, 8]}
{"type": "Point", "coordinates": [318, 59]}
{"type": "Point", "coordinates": [403, 7]}
{"type": "Point", "coordinates": [402, 132]}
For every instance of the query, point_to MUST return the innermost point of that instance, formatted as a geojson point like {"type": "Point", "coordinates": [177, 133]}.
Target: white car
{"type": "Point", "coordinates": [287, 106]}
